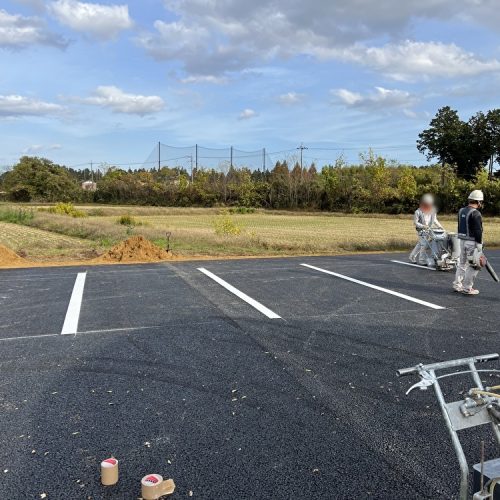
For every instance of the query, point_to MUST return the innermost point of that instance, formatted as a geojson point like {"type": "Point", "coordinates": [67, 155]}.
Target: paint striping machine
{"type": "Point", "coordinates": [440, 250]}
{"type": "Point", "coordinates": [479, 406]}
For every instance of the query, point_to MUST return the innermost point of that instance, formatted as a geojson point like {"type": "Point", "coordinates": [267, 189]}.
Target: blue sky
{"type": "Point", "coordinates": [105, 81]}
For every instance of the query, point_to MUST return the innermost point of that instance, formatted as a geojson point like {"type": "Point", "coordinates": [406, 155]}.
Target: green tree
{"type": "Point", "coordinates": [440, 141]}
{"type": "Point", "coordinates": [39, 179]}
{"type": "Point", "coordinates": [493, 118]}
{"type": "Point", "coordinates": [465, 145]}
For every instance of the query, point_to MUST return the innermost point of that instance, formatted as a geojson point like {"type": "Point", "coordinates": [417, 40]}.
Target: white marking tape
{"type": "Point", "coordinates": [413, 265]}
{"type": "Point", "coordinates": [243, 296]}
{"type": "Point", "coordinates": [375, 287]}
{"type": "Point", "coordinates": [70, 326]}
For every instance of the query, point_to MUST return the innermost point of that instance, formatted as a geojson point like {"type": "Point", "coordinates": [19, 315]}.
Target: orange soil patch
{"type": "Point", "coordinates": [135, 249]}
{"type": "Point", "coordinates": [9, 258]}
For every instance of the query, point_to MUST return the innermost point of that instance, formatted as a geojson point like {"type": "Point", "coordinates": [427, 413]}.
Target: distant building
{"type": "Point", "coordinates": [89, 186]}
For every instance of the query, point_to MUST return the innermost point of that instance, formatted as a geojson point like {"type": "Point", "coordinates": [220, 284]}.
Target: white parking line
{"type": "Point", "coordinates": [375, 287]}
{"type": "Point", "coordinates": [413, 265]}
{"type": "Point", "coordinates": [243, 296]}
{"type": "Point", "coordinates": [70, 326]}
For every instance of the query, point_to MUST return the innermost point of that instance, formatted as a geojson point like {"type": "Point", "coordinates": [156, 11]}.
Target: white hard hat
{"type": "Point", "coordinates": [476, 195]}
{"type": "Point", "coordinates": [428, 199]}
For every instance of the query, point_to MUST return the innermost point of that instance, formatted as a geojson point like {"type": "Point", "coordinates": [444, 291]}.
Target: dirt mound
{"type": "Point", "coordinates": [135, 249]}
{"type": "Point", "coordinates": [8, 257]}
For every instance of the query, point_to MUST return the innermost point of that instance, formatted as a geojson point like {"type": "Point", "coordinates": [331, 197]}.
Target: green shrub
{"type": "Point", "coordinates": [225, 226]}
{"type": "Point", "coordinates": [127, 220]}
{"type": "Point", "coordinates": [19, 216]}
{"type": "Point", "coordinates": [66, 209]}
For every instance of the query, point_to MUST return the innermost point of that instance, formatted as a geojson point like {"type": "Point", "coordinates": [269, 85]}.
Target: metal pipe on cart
{"type": "Point", "coordinates": [464, 466]}
{"type": "Point", "coordinates": [454, 363]}
{"type": "Point", "coordinates": [428, 374]}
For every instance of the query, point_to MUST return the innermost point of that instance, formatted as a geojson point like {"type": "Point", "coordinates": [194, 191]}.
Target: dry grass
{"type": "Point", "coordinates": [193, 234]}
{"type": "Point", "coordinates": [43, 245]}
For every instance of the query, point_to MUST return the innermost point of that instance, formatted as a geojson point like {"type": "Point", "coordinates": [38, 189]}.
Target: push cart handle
{"type": "Point", "coordinates": [447, 364]}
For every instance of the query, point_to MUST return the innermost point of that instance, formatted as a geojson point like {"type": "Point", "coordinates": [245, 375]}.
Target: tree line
{"type": "Point", "coordinates": [375, 185]}
{"type": "Point", "coordinates": [466, 153]}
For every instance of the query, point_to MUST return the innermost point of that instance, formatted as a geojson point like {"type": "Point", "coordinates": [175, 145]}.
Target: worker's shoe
{"type": "Point", "coordinates": [458, 287]}
{"type": "Point", "coordinates": [470, 291]}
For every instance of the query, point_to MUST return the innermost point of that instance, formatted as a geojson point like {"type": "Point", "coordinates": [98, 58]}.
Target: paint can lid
{"type": "Point", "coordinates": [109, 462]}
{"type": "Point", "coordinates": [151, 480]}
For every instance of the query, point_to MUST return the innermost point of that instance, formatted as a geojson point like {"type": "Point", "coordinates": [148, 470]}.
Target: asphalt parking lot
{"type": "Point", "coordinates": [238, 379]}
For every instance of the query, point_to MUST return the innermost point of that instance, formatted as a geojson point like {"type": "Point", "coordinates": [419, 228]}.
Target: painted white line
{"type": "Point", "coordinates": [243, 296]}
{"type": "Point", "coordinates": [413, 265]}
{"type": "Point", "coordinates": [109, 330]}
{"type": "Point", "coordinates": [125, 329]}
{"type": "Point", "coordinates": [70, 326]}
{"type": "Point", "coordinates": [375, 287]}
{"type": "Point", "coordinates": [30, 337]}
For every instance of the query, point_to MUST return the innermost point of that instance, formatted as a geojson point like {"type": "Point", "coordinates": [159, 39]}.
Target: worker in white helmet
{"type": "Point", "coordinates": [425, 218]}
{"type": "Point", "coordinates": [470, 233]}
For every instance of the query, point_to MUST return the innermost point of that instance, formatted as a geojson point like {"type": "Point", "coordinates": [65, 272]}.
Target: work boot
{"type": "Point", "coordinates": [470, 291]}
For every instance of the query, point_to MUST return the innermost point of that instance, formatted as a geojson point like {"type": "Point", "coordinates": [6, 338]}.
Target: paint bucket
{"type": "Point", "coordinates": [153, 487]}
{"type": "Point", "coordinates": [455, 246]}
{"type": "Point", "coordinates": [109, 471]}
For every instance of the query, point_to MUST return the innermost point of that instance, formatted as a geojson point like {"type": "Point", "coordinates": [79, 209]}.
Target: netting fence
{"type": "Point", "coordinates": [199, 157]}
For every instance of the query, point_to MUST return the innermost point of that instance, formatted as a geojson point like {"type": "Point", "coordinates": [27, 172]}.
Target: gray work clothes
{"type": "Point", "coordinates": [421, 253]}
{"type": "Point", "coordinates": [466, 274]}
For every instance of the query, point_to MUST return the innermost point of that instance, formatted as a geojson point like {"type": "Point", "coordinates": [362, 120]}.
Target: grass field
{"type": "Point", "coordinates": [39, 244]}
{"type": "Point", "coordinates": [213, 232]}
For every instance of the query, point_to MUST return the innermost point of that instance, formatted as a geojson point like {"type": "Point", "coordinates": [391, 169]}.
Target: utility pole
{"type": "Point", "coordinates": [192, 178]}
{"type": "Point", "coordinates": [196, 147]}
{"type": "Point", "coordinates": [264, 159]}
{"type": "Point", "coordinates": [159, 156]}
{"type": "Point", "coordinates": [301, 147]}
{"type": "Point", "coordinates": [91, 171]}
{"type": "Point", "coordinates": [231, 162]}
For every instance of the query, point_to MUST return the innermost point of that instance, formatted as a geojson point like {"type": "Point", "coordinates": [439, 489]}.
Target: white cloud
{"type": "Point", "coordinates": [247, 114]}
{"type": "Point", "coordinates": [120, 102]}
{"type": "Point", "coordinates": [18, 32]}
{"type": "Point", "coordinates": [216, 36]}
{"type": "Point", "coordinates": [380, 100]}
{"type": "Point", "coordinates": [16, 105]}
{"type": "Point", "coordinates": [290, 98]}
{"type": "Point", "coordinates": [409, 60]}
{"type": "Point", "coordinates": [38, 148]}
{"type": "Point", "coordinates": [212, 79]}
{"type": "Point", "coordinates": [104, 22]}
